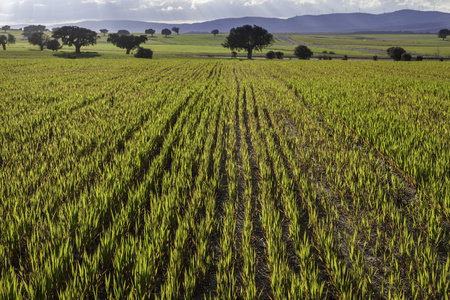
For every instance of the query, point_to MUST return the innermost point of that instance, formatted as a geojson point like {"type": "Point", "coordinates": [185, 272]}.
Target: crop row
{"type": "Point", "coordinates": [228, 179]}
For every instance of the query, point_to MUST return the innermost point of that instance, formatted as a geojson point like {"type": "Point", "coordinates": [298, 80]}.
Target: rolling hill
{"type": "Point", "coordinates": [403, 20]}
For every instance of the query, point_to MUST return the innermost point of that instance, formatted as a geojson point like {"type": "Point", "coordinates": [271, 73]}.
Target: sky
{"type": "Point", "coordinates": [48, 12]}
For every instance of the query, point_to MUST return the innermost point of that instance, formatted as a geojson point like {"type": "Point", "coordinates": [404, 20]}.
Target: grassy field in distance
{"type": "Point", "coordinates": [206, 44]}
{"type": "Point", "coordinates": [417, 44]}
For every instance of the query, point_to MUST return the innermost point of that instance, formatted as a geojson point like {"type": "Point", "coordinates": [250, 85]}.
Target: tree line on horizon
{"type": "Point", "coordinates": [246, 38]}
{"type": "Point", "coordinates": [78, 37]}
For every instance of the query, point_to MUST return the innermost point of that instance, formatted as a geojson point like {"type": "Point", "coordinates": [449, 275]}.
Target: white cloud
{"type": "Point", "coordinates": [171, 8]}
{"type": "Point", "coordinates": [24, 11]}
{"type": "Point", "coordinates": [254, 2]}
{"type": "Point", "coordinates": [95, 1]}
{"type": "Point", "coordinates": [195, 2]}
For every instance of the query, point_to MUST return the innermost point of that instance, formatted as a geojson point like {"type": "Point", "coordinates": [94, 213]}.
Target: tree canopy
{"type": "Point", "coordinates": [128, 42]}
{"type": "Point", "coordinates": [248, 38]}
{"type": "Point", "coordinates": [38, 38]}
{"type": "Point", "coordinates": [166, 32]}
{"type": "Point", "coordinates": [123, 32]}
{"type": "Point", "coordinates": [150, 31]}
{"type": "Point", "coordinates": [302, 52]}
{"type": "Point", "coordinates": [395, 53]}
{"type": "Point", "coordinates": [10, 39]}
{"type": "Point", "coordinates": [75, 36]}
{"type": "Point", "coordinates": [28, 30]}
{"type": "Point", "coordinates": [215, 31]}
{"type": "Point", "coordinates": [53, 45]}
{"type": "Point", "coordinates": [270, 55]}
{"type": "Point", "coordinates": [144, 53]}
{"type": "Point", "coordinates": [443, 33]}
{"type": "Point", "coordinates": [406, 57]}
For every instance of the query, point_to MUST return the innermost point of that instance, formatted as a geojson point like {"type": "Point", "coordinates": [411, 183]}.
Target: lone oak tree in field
{"type": "Point", "coordinates": [104, 31]}
{"type": "Point", "coordinates": [176, 29]}
{"type": "Point", "coordinates": [75, 36]}
{"type": "Point", "coordinates": [215, 31]}
{"type": "Point", "coordinates": [128, 42]}
{"type": "Point", "coordinates": [6, 27]}
{"type": "Point", "coordinates": [150, 31]}
{"type": "Point", "coordinates": [10, 39]}
{"type": "Point", "coordinates": [166, 32]}
{"type": "Point", "coordinates": [302, 52]}
{"type": "Point", "coordinates": [248, 38]}
{"type": "Point", "coordinates": [443, 33]}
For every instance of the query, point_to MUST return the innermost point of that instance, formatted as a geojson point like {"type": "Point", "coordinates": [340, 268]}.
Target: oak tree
{"type": "Point", "coordinates": [76, 36]}
{"type": "Point", "coordinates": [10, 39]}
{"type": "Point", "coordinates": [38, 38]}
{"type": "Point", "coordinates": [248, 38]}
{"type": "Point", "coordinates": [128, 42]}
{"type": "Point", "coordinates": [443, 33]}
{"type": "Point", "coordinates": [150, 31]}
{"type": "Point", "coordinates": [166, 32]}
{"type": "Point", "coordinates": [302, 52]}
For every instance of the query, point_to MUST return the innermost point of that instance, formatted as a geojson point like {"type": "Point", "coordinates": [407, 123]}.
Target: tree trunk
{"type": "Point", "coordinates": [77, 48]}
{"type": "Point", "coordinates": [128, 50]}
{"type": "Point", "coordinates": [42, 47]}
{"type": "Point", "coordinates": [4, 46]}
{"type": "Point", "coordinates": [249, 53]}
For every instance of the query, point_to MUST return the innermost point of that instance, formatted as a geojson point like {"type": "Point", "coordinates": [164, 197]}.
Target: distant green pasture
{"type": "Point", "coordinates": [206, 44]}
{"type": "Point", "coordinates": [423, 44]}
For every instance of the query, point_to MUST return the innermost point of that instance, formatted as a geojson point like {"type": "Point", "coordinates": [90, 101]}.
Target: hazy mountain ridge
{"type": "Point", "coordinates": [403, 20]}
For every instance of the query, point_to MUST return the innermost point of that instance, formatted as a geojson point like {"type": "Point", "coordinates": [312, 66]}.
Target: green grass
{"type": "Point", "coordinates": [202, 44]}
{"type": "Point", "coordinates": [420, 44]}
{"type": "Point", "coordinates": [120, 178]}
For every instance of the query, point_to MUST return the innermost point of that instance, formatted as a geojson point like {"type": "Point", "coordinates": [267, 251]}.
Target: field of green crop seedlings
{"type": "Point", "coordinates": [226, 179]}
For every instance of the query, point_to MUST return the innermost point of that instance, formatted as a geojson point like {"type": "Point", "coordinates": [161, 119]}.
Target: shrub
{"type": "Point", "coordinates": [395, 53]}
{"type": "Point", "coordinates": [279, 54]}
{"type": "Point", "coordinates": [270, 55]}
{"type": "Point", "coordinates": [406, 57]}
{"type": "Point", "coordinates": [325, 57]}
{"type": "Point", "coordinates": [331, 52]}
{"type": "Point", "coordinates": [303, 52]}
{"type": "Point", "coordinates": [144, 53]}
{"type": "Point", "coordinates": [234, 54]}
{"type": "Point", "coordinates": [325, 52]}
{"type": "Point", "coordinates": [345, 57]}
{"type": "Point", "coordinates": [53, 45]}
{"type": "Point", "coordinates": [375, 57]}
{"type": "Point", "coordinates": [419, 58]}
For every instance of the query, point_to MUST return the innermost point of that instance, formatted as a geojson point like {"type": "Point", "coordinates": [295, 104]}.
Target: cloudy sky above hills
{"type": "Point", "coordinates": [56, 11]}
